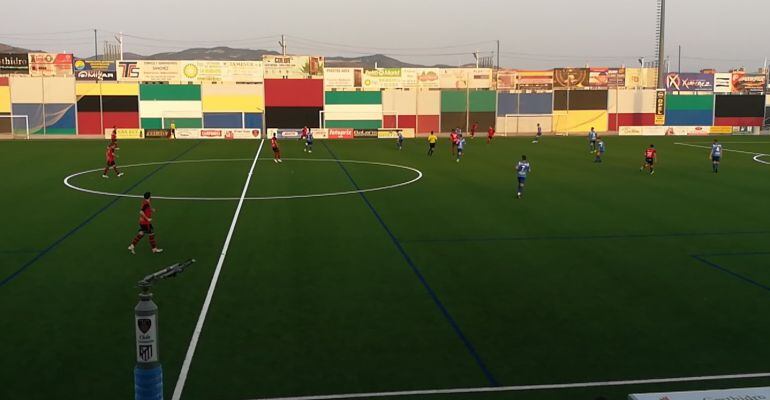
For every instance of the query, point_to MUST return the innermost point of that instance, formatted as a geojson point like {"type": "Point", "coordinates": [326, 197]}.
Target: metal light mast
{"type": "Point", "coordinates": [660, 46]}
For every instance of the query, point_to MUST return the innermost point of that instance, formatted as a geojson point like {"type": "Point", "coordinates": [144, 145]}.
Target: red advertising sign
{"type": "Point", "coordinates": [340, 133]}
{"type": "Point", "coordinates": [48, 64]}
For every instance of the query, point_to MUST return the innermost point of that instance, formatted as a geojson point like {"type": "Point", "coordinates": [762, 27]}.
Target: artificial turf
{"type": "Point", "coordinates": [600, 273]}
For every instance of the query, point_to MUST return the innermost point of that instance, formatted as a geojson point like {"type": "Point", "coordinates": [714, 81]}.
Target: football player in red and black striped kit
{"type": "Point", "coordinates": [145, 226]}
{"type": "Point", "coordinates": [110, 155]}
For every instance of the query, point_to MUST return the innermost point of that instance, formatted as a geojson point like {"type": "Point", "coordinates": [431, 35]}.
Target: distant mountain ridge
{"type": "Point", "coordinates": [235, 54]}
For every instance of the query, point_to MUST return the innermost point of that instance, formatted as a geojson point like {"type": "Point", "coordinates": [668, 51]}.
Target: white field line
{"type": "Point", "coordinates": [490, 389]}
{"type": "Point", "coordinates": [302, 196]}
{"type": "Point", "coordinates": [757, 156]}
{"type": "Point", "coordinates": [210, 294]}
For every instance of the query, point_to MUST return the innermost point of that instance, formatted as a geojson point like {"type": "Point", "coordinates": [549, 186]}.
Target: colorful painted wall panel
{"type": "Point", "coordinates": [5, 99]}
{"type": "Point", "coordinates": [580, 100]}
{"type": "Point", "coordinates": [352, 112]}
{"type": "Point", "coordinates": [292, 117]}
{"type": "Point", "coordinates": [106, 89]}
{"type": "Point", "coordinates": [580, 121]}
{"type": "Point", "coordinates": [484, 121]}
{"type": "Point", "coordinates": [26, 90]}
{"type": "Point", "coordinates": [361, 98]}
{"type": "Point", "coordinates": [170, 92]}
{"type": "Point", "coordinates": [5, 123]}
{"type": "Point", "coordinates": [355, 124]}
{"type": "Point", "coordinates": [631, 102]}
{"type": "Point", "coordinates": [59, 90]}
{"type": "Point", "coordinates": [170, 109]}
{"type": "Point", "coordinates": [421, 123]}
{"type": "Point", "coordinates": [302, 93]}
{"type": "Point", "coordinates": [473, 101]}
{"type": "Point", "coordinates": [223, 120]}
{"type": "Point", "coordinates": [452, 120]}
{"type": "Point", "coordinates": [523, 124]}
{"type": "Point", "coordinates": [689, 110]}
{"type": "Point", "coordinates": [524, 103]}
{"type": "Point", "coordinates": [453, 101]}
{"type": "Point", "coordinates": [483, 101]}
{"type": "Point", "coordinates": [630, 119]}
{"type": "Point", "coordinates": [253, 121]}
{"type": "Point", "coordinates": [233, 98]}
{"type": "Point", "coordinates": [739, 106]}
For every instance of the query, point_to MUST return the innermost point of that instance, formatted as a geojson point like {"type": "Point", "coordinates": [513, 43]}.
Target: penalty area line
{"type": "Point", "coordinates": [522, 388]}
{"type": "Point", "coordinates": [210, 294]}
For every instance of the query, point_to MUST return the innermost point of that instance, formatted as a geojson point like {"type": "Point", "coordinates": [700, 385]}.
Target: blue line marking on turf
{"type": "Point", "coordinates": [586, 237]}
{"type": "Point", "coordinates": [87, 221]}
{"type": "Point", "coordinates": [734, 274]}
{"type": "Point", "coordinates": [22, 251]}
{"type": "Point", "coordinates": [455, 326]}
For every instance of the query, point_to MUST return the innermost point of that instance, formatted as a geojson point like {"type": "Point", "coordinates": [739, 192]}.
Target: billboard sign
{"type": "Point", "coordinates": [723, 82]}
{"type": "Point", "coordinates": [743, 83]}
{"type": "Point", "coordinates": [690, 82]}
{"type": "Point", "coordinates": [343, 78]}
{"type": "Point", "coordinates": [89, 70]}
{"type": "Point", "coordinates": [616, 77]}
{"type": "Point", "coordinates": [598, 78]}
{"type": "Point", "coordinates": [222, 71]}
{"type": "Point", "coordinates": [465, 78]}
{"type": "Point", "coordinates": [14, 63]}
{"type": "Point", "coordinates": [293, 67]}
{"type": "Point", "coordinates": [125, 133]}
{"type": "Point", "coordinates": [571, 78]}
{"type": "Point", "coordinates": [50, 64]}
{"type": "Point", "coordinates": [340, 133]}
{"type": "Point", "coordinates": [427, 78]}
{"type": "Point", "coordinates": [660, 107]}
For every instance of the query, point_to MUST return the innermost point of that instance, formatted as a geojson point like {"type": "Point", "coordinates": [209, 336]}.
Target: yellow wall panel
{"type": "Point", "coordinates": [229, 103]}
{"type": "Point", "coordinates": [580, 121]}
{"type": "Point", "coordinates": [5, 99]}
{"type": "Point", "coordinates": [107, 89]}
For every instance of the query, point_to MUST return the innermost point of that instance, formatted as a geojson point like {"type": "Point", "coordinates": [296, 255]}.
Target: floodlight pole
{"type": "Point", "coordinates": [148, 373]}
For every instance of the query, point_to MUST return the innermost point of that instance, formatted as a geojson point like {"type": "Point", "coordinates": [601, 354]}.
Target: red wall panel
{"type": "Point", "coordinates": [3, 81]}
{"type": "Point", "coordinates": [617, 120]}
{"type": "Point", "coordinates": [89, 123]}
{"type": "Point", "coordinates": [404, 121]}
{"type": "Point", "coordinates": [294, 92]}
{"type": "Point", "coordinates": [738, 121]}
{"type": "Point", "coordinates": [429, 123]}
{"type": "Point", "coordinates": [124, 120]}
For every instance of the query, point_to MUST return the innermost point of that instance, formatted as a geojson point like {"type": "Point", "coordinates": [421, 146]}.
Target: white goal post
{"type": "Point", "coordinates": [17, 123]}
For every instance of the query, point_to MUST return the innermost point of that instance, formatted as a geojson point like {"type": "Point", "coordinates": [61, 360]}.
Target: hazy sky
{"type": "Point", "coordinates": [533, 33]}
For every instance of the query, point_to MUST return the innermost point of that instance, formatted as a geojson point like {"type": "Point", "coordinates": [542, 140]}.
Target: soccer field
{"type": "Point", "coordinates": [601, 273]}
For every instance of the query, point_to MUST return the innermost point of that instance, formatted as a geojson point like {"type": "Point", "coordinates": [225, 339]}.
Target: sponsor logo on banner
{"type": "Point", "coordinates": [340, 133]}
{"type": "Point", "coordinates": [146, 339]}
{"type": "Point", "coordinates": [616, 77]}
{"type": "Point", "coordinates": [95, 75]}
{"type": "Point", "coordinates": [231, 134]}
{"type": "Point", "coordinates": [88, 65]}
{"type": "Point", "coordinates": [598, 78]}
{"type": "Point", "coordinates": [465, 78]}
{"type": "Point", "coordinates": [393, 133]}
{"type": "Point", "coordinates": [49, 64]}
{"type": "Point", "coordinates": [222, 71]}
{"type": "Point", "coordinates": [284, 133]}
{"type": "Point", "coordinates": [506, 79]}
{"type": "Point", "coordinates": [343, 78]}
{"type": "Point", "coordinates": [660, 107]}
{"type": "Point", "coordinates": [156, 133]}
{"type": "Point", "coordinates": [569, 78]}
{"type": "Point", "coordinates": [185, 133]}
{"type": "Point", "coordinates": [525, 80]}
{"type": "Point", "coordinates": [125, 133]}
{"type": "Point", "coordinates": [691, 130]}
{"type": "Point", "coordinates": [721, 130]}
{"type": "Point", "coordinates": [630, 131]}
{"type": "Point", "coordinates": [14, 63]}
{"type": "Point", "coordinates": [211, 134]}
{"type": "Point", "coordinates": [293, 67]}
{"type": "Point", "coordinates": [723, 82]}
{"type": "Point", "coordinates": [756, 393]}
{"type": "Point", "coordinates": [366, 133]}
{"type": "Point", "coordinates": [320, 133]}
{"type": "Point", "coordinates": [690, 82]}
{"type": "Point", "coordinates": [428, 78]}
{"type": "Point", "coordinates": [389, 78]}
{"type": "Point", "coordinates": [743, 83]}
{"type": "Point", "coordinates": [159, 71]}
{"type": "Point", "coordinates": [128, 71]}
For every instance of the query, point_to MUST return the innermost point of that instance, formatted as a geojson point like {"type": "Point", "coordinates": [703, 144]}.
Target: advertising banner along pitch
{"type": "Point", "coordinates": [689, 82]}
{"type": "Point", "coordinates": [343, 78]}
{"type": "Point", "coordinates": [222, 71]}
{"type": "Point", "coordinates": [743, 83]}
{"type": "Point", "coordinates": [92, 70]}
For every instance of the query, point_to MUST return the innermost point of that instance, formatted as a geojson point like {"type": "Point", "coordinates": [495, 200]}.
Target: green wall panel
{"type": "Point", "coordinates": [689, 102]}
{"type": "Point", "coordinates": [170, 92]}
{"type": "Point", "coordinates": [483, 101]}
{"type": "Point", "coordinates": [361, 124]}
{"type": "Point", "coordinates": [354, 97]}
{"type": "Point", "coordinates": [453, 100]}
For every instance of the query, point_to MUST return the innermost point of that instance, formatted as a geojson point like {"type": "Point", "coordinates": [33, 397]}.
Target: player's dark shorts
{"type": "Point", "coordinates": [111, 163]}
{"type": "Point", "coordinates": [649, 161]}
{"type": "Point", "coordinates": [459, 151]}
{"type": "Point", "coordinates": [716, 158]}
{"type": "Point", "coordinates": [593, 141]}
{"type": "Point", "coordinates": [522, 179]}
{"type": "Point", "coordinates": [432, 145]}
{"type": "Point", "coordinates": [275, 149]}
{"type": "Point", "coordinates": [309, 142]}
{"type": "Point", "coordinates": [148, 229]}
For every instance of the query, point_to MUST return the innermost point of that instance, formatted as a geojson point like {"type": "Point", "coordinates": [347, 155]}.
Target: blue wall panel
{"type": "Point", "coordinates": [223, 120]}
{"type": "Point", "coordinates": [690, 117]}
{"type": "Point", "coordinates": [253, 120]}
{"type": "Point", "coordinates": [524, 103]}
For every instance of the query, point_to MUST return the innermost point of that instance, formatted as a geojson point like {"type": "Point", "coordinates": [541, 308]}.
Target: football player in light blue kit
{"type": "Point", "coordinates": [309, 141]}
{"type": "Point", "coordinates": [522, 170]}
{"type": "Point", "coordinates": [715, 155]}
{"type": "Point", "coordinates": [600, 149]}
{"type": "Point", "coordinates": [460, 147]}
{"type": "Point", "coordinates": [592, 140]}
{"type": "Point", "coordinates": [400, 140]}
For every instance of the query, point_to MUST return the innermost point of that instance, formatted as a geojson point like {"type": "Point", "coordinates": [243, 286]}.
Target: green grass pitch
{"type": "Point", "coordinates": [600, 273]}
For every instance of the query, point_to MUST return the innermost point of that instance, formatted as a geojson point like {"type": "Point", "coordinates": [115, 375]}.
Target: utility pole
{"type": "Point", "coordinates": [661, 42]}
{"type": "Point", "coordinates": [679, 70]}
{"type": "Point", "coordinates": [282, 43]}
{"type": "Point", "coordinates": [498, 54]}
{"type": "Point", "coordinates": [476, 56]}
{"type": "Point", "coordinates": [119, 38]}
{"type": "Point", "coordinates": [96, 46]}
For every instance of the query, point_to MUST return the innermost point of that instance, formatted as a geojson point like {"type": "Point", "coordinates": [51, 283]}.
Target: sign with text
{"type": "Point", "coordinates": [689, 82]}
{"type": "Point", "coordinates": [49, 64]}
{"type": "Point", "coordinates": [660, 107]}
{"type": "Point", "coordinates": [14, 63]}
